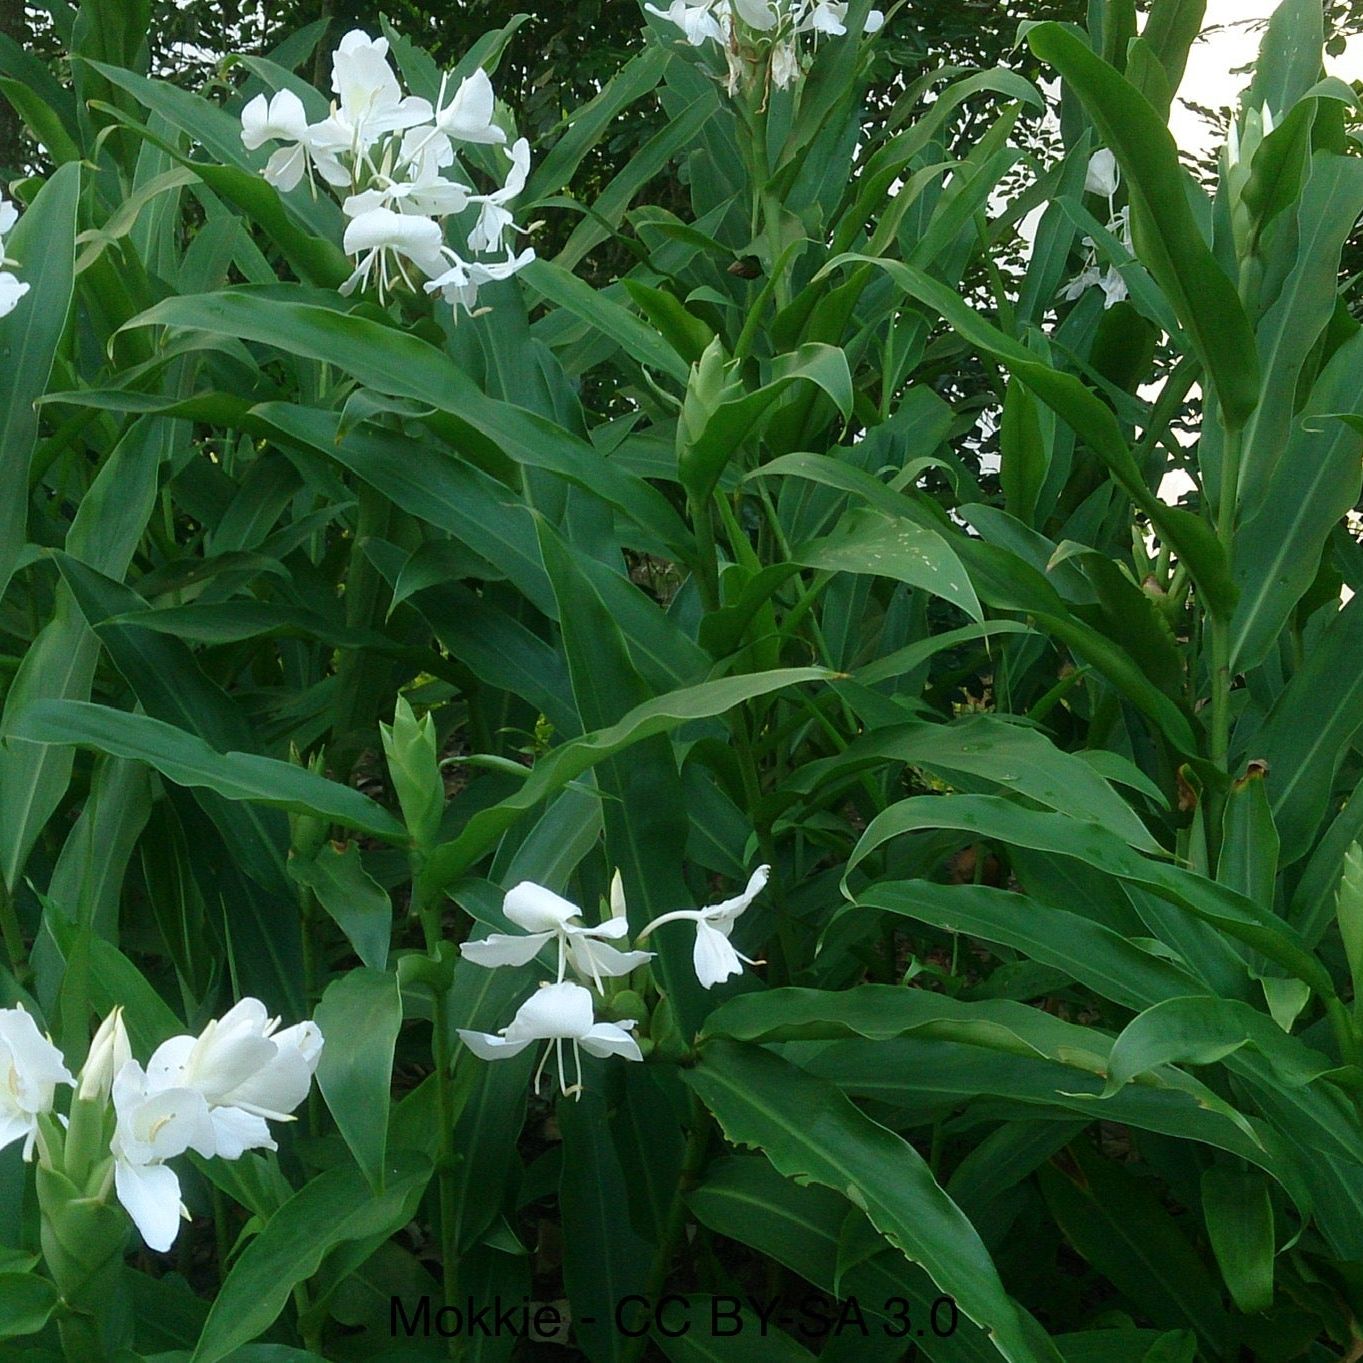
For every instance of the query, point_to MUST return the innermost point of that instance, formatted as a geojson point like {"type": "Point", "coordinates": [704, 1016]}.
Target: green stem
{"type": "Point", "coordinates": [13, 934]}
{"type": "Point", "coordinates": [1219, 677]}
{"type": "Point", "coordinates": [355, 697]}
{"type": "Point", "coordinates": [427, 906]}
{"type": "Point", "coordinates": [707, 575]}
{"type": "Point", "coordinates": [697, 1143]}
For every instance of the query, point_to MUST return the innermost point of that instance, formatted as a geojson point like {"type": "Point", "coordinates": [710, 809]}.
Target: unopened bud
{"type": "Point", "coordinates": [109, 1052]}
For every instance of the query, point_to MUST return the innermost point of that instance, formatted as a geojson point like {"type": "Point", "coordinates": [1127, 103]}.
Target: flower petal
{"type": "Point", "coordinates": [503, 948]}
{"type": "Point", "coordinates": [150, 1194]}
{"type": "Point", "coordinates": [714, 959]}
{"type": "Point", "coordinates": [553, 1010]}
{"type": "Point", "coordinates": [608, 1038]}
{"type": "Point", "coordinates": [536, 909]}
{"type": "Point", "coordinates": [592, 959]}
{"type": "Point", "coordinates": [486, 1046]}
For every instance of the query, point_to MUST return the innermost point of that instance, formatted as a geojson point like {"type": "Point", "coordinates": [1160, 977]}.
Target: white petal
{"type": "Point", "coordinates": [276, 1088]}
{"type": "Point", "coordinates": [235, 1132]}
{"type": "Point", "coordinates": [150, 1194]}
{"type": "Point", "coordinates": [729, 909]}
{"type": "Point", "coordinates": [468, 116]}
{"type": "Point", "coordinates": [875, 21]}
{"type": "Point", "coordinates": [304, 1037]}
{"type": "Point", "coordinates": [9, 215]}
{"type": "Point", "coordinates": [758, 14]}
{"type": "Point", "coordinates": [166, 1067]}
{"type": "Point", "coordinates": [607, 1038]}
{"type": "Point", "coordinates": [488, 1047]}
{"type": "Point", "coordinates": [284, 170]}
{"type": "Point", "coordinates": [592, 960]}
{"type": "Point", "coordinates": [1102, 175]}
{"type": "Point", "coordinates": [554, 1010]}
{"type": "Point", "coordinates": [714, 959]}
{"type": "Point", "coordinates": [15, 1126]}
{"type": "Point", "coordinates": [255, 119]}
{"type": "Point", "coordinates": [501, 948]}
{"type": "Point", "coordinates": [536, 909]}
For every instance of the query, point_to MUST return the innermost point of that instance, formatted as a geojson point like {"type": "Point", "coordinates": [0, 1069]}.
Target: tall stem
{"type": "Point", "coordinates": [1219, 629]}
{"type": "Point", "coordinates": [13, 934]}
{"type": "Point", "coordinates": [697, 1143]}
{"type": "Point", "coordinates": [427, 907]}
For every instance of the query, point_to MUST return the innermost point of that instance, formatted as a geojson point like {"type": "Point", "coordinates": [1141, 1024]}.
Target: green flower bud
{"type": "Point", "coordinates": [410, 746]}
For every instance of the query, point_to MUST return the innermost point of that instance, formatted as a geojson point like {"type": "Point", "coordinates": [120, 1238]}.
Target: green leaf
{"type": "Point", "coordinates": [723, 1330]}
{"type": "Point", "coordinates": [397, 362]}
{"type": "Point", "coordinates": [1090, 952]}
{"type": "Point", "coordinates": [719, 413]}
{"type": "Point", "coordinates": [1315, 483]}
{"type": "Point", "coordinates": [810, 1131]}
{"type": "Point", "coordinates": [334, 1208]}
{"type": "Point", "coordinates": [866, 541]}
{"type": "Point", "coordinates": [189, 761]}
{"type": "Point", "coordinates": [1119, 1224]}
{"type": "Point", "coordinates": [1168, 238]}
{"type": "Point", "coordinates": [1239, 1216]}
{"type": "Point", "coordinates": [991, 816]}
{"type": "Point", "coordinates": [604, 1261]}
{"type": "Point", "coordinates": [1188, 535]}
{"type": "Point", "coordinates": [26, 1303]}
{"type": "Point", "coordinates": [60, 662]}
{"type": "Point", "coordinates": [1023, 453]}
{"type": "Point", "coordinates": [1011, 755]}
{"type": "Point", "coordinates": [43, 243]}
{"type": "Point", "coordinates": [1201, 1031]}
{"type": "Point", "coordinates": [1308, 730]}
{"type": "Point", "coordinates": [356, 902]}
{"type": "Point", "coordinates": [639, 342]}
{"type": "Point", "coordinates": [553, 771]}
{"type": "Point", "coordinates": [359, 1016]}
{"type": "Point", "coordinates": [801, 1226]}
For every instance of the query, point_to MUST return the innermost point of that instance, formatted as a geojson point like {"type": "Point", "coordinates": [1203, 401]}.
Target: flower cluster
{"type": "Point", "coordinates": [1103, 178]}
{"type": "Point", "coordinates": [11, 289]}
{"type": "Point", "coordinates": [392, 160]}
{"type": "Point", "coordinates": [760, 36]}
{"type": "Point", "coordinates": [566, 1009]}
{"type": "Point", "coordinates": [213, 1093]}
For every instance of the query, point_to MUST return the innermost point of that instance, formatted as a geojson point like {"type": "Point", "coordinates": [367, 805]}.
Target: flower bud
{"type": "Point", "coordinates": [410, 746]}
{"type": "Point", "coordinates": [109, 1052]}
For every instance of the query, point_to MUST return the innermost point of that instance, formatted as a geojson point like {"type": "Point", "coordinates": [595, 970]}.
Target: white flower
{"type": "Point", "coordinates": [547, 917]}
{"type": "Point", "coordinates": [246, 1071]}
{"type": "Point", "coordinates": [1102, 176]}
{"type": "Point", "coordinates": [460, 283]}
{"type": "Point", "coordinates": [761, 15]}
{"type": "Point", "coordinates": [371, 100]}
{"type": "Point", "coordinates": [1085, 279]}
{"type": "Point", "coordinates": [696, 21]}
{"type": "Point", "coordinates": [785, 64]}
{"type": "Point", "coordinates": [556, 1013]}
{"type": "Point", "coordinates": [280, 119]}
{"type": "Point", "coordinates": [9, 215]}
{"type": "Point", "coordinates": [827, 16]}
{"type": "Point", "coordinates": [495, 218]}
{"type": "Point", "coordinates": [11, 291]}
{"type": "Point", "coordinates": [1113, 286]}
{"type": "Point", "coordinates": [382, 238]}
{"type": "Point", "coordinates": [109, 1052]}
{"type": "Point", "coordinates": [31, 1067]}
{"type": "Point", "coordinates": [714, 956]}
{"type": "Point", "coordinates": [153, 1127]}
{"type": "Point", "coordinates": [468, 116]}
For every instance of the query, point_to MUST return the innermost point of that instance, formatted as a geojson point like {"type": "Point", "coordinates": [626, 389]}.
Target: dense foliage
{"type": "Point", "coordinates": [713, 850]}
